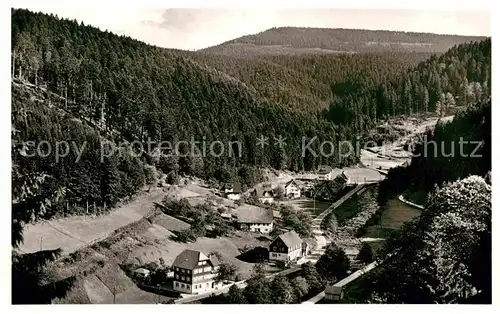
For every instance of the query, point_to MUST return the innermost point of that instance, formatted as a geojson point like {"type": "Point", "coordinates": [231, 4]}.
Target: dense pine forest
{"type": "Point", "coordinates": [102, 87]}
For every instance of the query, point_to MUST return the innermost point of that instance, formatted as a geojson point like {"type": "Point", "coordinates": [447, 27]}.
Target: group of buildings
{"type": "Point", "coordinates": [195, 272]}
{"type": "Point", "coordinates": [293, 189]}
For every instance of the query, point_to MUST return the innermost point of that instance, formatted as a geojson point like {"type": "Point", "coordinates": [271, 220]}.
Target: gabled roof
{"type": "Point", "coordinates": [188, 259]}
{"type": "Point", "coordinates": [261, 192]}
{"type": "Point", "coordinates": [324, 169]}
{"type": "Point", "coordinates": [291, 238]}
{"type": "Point", "coordinates": [291, 182]}
{"type": "Point", "coordinates": [254, 214]}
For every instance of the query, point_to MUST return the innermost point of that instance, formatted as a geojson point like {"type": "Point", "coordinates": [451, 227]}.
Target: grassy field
{"type": "Point", "coordinates": [347, 210]}
{"type": "Point", "coordinates": [396, 214]}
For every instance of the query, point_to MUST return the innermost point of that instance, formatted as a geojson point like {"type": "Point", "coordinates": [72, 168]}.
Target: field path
{"type": "Point", "coordinates": [73, 233]}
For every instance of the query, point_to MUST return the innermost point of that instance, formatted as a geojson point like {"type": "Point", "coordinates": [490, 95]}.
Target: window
{"type": "Point", "coordinates": [177, 268]}
{"type": "Point", "coordinates": [182, 271]}
{"type": "Point", "coordinates": [188, 271]}
{"type": "Point", "coordinates": [176, 276]}
{"type": "Point", "coordinates": [182, 285]}
{"type": "Point", "coordinates": [188, 286]}
{"type": "Point", "coordinates": [183, 278]}
{"type": "Point", "coordinates": [176, 284]}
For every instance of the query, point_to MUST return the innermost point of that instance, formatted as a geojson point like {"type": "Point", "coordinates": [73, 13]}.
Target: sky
{"type": "Point", "coordinates": [197, 28]}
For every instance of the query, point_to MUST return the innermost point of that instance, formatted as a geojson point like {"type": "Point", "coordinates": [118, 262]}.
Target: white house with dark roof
{"type": "Point", "coordinates": [292, 189]}
{"type": "Point", "coordinates": [195, 272]}
{"type": "Point", "coordinates": [288, 247]}
{"type": "Point", "coordinates": [254, 218]}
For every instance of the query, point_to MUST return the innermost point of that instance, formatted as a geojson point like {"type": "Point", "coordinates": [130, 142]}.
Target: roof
{"type": "Point", "coordinates": [188, 259]}
{"type": "Point", "coordinates": [324, 169]}
{"type": "Point", "coordinates": [254, 214]}
{"type": "Point", "coordinates": [291, 182]}
{"type": "Point", "coordinates": [291, 238]}
{"type": "Point", "coordinates": [214, 260]}
{"type": "Point", "coordinates": [142, 271]}
{"type": "Point", "coordinates": [236, 187]}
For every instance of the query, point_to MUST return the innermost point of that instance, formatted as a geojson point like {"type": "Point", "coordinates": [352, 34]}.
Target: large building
{"type": "Point", "coordinates": [288, 247]}
{"type": "Point", "coordinates": [254, 219]}
{"type": "Point", "coordinates": [195, 272]}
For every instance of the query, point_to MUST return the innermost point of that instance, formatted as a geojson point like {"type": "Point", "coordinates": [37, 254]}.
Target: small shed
{"type": "Point", "coordinates": [142, 272]}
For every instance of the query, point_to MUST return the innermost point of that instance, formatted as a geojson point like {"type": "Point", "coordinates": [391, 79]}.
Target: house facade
{"type": "Point", "coordinates": [287, 247]}
{"type": "Point", "coordinates": [265, 195]}
{"type": "Point", "coordinates": [254, 219]}
{"type": "Point", "coordinates": [292, 189]}
{"type": "Point", "coordinates": [195, 272]}
{"type": "Point", "coordinates": [325, 173]}
{"type": "Point", "coordinates": [232, 191]}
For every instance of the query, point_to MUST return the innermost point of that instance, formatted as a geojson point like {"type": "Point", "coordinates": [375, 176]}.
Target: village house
{"type": "Point", "coordinates": [325, 173]}
{"type": "Point", "coordinates": [288, 247]}
{"type": "Point", "coordinates": [254, 219]}
{"type": "Point", "coordinates": [292, 189]}
{"type": "Point", "coordinates": [232, 191]}
{"type": "Point", "coordinates": [195, 272]}
{"type": "Point", "coordinates": [265, 195]}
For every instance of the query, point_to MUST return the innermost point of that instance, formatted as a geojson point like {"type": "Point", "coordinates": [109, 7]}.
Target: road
{"type": "Point", "coordinates": [321, 241]}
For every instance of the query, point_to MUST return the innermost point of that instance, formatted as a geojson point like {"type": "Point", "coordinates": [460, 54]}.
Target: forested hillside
{"type": "Point", "coordinates": [107, 87]}
{"type": "Point", "coordinates": [459, 77]}
{"type": "Point", "coordinates": [306, 83]}
{"type": "Point", "coordinates": [296, 40]}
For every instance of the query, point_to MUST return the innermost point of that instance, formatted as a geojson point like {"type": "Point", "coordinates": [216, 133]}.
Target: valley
{"type": "Point", "coordinates": [140, 208]}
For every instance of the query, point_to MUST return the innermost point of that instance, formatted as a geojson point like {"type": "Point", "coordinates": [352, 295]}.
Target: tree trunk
{"type": "Point", "coordinates": [13, 63]}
